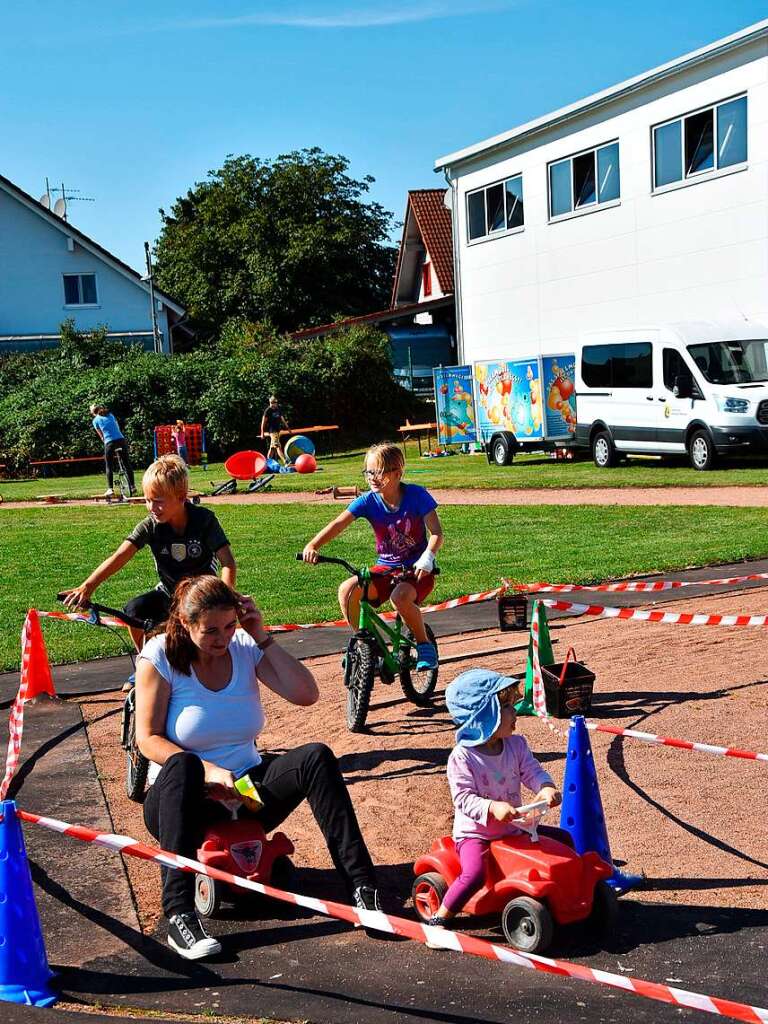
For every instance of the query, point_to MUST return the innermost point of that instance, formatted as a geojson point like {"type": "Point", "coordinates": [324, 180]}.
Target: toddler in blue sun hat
{"type": "Point", "coordinates": [486, 769]}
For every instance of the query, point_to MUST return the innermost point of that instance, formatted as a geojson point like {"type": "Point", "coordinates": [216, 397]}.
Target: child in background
{"type": "Point", "coordinates": [400, 514]}
{"type": "Point", "coordinates": [179, 436]}
{"type": "Point", "coordinates": [111, 436]}
{"type": "Point", "coordinates": [485, 771]}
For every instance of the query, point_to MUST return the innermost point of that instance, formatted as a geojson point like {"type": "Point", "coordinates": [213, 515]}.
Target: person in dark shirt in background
{"type": "Point", "coordinates": [272, 422]}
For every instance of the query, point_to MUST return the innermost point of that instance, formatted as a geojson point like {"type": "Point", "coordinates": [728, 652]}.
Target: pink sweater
{"type": "Point", "coordinates": [475, 779]}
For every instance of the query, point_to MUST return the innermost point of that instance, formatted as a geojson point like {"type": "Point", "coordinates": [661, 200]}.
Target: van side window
{"type": "Point", "coordinates": [674, 366]}
{"type": "Point", "coordinates": [622, 365]}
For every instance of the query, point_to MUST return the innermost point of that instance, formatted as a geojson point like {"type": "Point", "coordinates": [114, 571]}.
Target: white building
{"type": "Point", "coordinates": [647, 202]}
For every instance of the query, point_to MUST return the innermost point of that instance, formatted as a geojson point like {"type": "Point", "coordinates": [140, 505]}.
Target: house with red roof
{"type": "Point", "coordinates": [421, 320]}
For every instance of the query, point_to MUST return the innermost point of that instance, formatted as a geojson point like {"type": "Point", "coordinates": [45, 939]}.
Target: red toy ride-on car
{"type": "Point", "coordinates": [535, 881]}
{"type": "Point", "coordinates": [239, 846]}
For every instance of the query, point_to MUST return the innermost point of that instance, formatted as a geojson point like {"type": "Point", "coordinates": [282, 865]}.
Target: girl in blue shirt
{"type": "Point", "coordinates": [408, 534]}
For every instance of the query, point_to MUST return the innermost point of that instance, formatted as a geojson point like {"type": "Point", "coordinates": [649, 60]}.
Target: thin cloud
{"type": "Point", "coordinates": [358, 17]}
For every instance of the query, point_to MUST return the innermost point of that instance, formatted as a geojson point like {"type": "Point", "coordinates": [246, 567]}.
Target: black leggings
{"type": "Point", "coordinates": [110, 462]}
{"type": "Point", "coordinates": [177, 813]}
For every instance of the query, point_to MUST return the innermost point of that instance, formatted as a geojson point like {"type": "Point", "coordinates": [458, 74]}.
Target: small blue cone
{"type": "Point", "coordinates": [582, 810]}
{"type": "Point", "coordinates": [24, 973]}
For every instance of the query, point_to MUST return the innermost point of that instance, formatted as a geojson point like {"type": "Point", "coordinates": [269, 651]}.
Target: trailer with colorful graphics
{"type": "Point", "coordinates": [508, 405]}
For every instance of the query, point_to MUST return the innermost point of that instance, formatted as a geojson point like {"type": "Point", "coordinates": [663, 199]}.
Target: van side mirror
{"type": "Point", "coordinates": [683, 386]}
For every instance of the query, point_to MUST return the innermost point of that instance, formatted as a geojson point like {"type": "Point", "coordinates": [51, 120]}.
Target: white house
{"type": "Point", "coordinates": [50, 272]}
{"type": "Point", "coordinates": [647, 202]}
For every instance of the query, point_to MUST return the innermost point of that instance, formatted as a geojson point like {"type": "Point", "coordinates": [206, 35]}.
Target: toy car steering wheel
{"type": "Point", "coordinates": [530, 816]}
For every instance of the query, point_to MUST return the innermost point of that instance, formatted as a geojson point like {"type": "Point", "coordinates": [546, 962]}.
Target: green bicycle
{"type": "Point", "coordinates": [380, 648]}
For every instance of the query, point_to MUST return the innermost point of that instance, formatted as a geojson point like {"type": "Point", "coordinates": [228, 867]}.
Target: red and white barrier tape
{"type": "Point", "coordinates": [16, 719]}
{"type": "Point", "coordinates": [451, 940]}
{"type": "Point", "coordinates": [668, 741]}
{"type": "Point", "coordinates": [107, 620]}
{"type": "Point", "coordinates": [289, 627]}
{"type": "Point", "coordinates": [649, 615]}
{"type": "Point", "coordinates": [634, 586]}
{"type": "Point", "coordinates": [455, 602]}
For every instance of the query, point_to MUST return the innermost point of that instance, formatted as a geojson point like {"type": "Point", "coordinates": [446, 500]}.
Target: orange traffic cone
{"type": "Point", "coordinates": [34, 659]}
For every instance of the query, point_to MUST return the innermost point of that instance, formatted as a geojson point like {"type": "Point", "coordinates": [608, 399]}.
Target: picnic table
{"type": "Point", "coordinates": [43, 466]}
{"type": "Point", "coordinates": [411, 430]}
{"type": "Point", "coordinates": [329, 428]}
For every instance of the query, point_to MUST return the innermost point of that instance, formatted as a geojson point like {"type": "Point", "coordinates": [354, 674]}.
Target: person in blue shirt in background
{"type": "Point", "coordinates": [408, 535]}
{"type": "Point", "coordinates": [106, 426]}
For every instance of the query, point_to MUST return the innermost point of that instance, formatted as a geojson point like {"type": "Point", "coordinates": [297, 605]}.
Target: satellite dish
{"type": "Point", "coordinates": [45, 201]}
{"type": "Point", "coordinates": [60, 207]}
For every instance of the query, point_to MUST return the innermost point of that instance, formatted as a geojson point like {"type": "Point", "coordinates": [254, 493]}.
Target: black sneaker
{"type": "Point", "coordinates": [188, 937]}
{"type": "Point", "coordinates": [365, 897]}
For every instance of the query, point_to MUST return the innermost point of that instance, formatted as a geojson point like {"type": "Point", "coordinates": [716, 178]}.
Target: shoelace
{"type": "Point", "coordinates": [185, 930]}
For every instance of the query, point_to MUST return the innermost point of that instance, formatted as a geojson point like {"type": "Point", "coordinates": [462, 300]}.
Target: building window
{"type": "Point", "coordinates": [495, 209]}
{"type": "Point", "coordinates": [426, 279]}
{"type": "Point", "coordinates": [700, 143]}
{"type": "Point", "coordinates": [80, 290]}
{"type": "Point", "coordinates": [584, 181]}
{"type": "Point", "coordinates": [623, 365]}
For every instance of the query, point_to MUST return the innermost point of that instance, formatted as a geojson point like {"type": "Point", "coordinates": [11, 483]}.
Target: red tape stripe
{"type": "Point", "coordinates": [457, 941]}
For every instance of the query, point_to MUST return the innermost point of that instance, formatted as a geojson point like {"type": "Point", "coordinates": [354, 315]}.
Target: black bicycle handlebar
{"type": "Point", "coordinates": [117, 613]}
{"type": "Point", "coordinates": [352, 569]}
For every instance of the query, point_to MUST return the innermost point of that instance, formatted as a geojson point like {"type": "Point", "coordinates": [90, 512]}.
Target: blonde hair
{"type": "Point", "coordinates": [386, 457]}
{"type": "Point", "coordinates": [168, 474]}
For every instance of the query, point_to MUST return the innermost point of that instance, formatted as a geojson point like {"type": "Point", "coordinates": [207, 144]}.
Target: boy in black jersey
{"type": "Point", "coordinates": [185, 540]}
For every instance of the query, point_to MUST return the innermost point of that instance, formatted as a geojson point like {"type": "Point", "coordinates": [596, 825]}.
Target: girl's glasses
{"type": "Point", "coordinates": [374, 474]}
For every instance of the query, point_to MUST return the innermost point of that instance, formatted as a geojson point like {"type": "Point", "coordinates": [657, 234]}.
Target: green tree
{"type": "Point", "coordinates": [290, 243]}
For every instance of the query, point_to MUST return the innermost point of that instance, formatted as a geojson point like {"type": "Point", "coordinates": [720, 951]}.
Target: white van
{"type": "Point", "coordinates": [699, 389]}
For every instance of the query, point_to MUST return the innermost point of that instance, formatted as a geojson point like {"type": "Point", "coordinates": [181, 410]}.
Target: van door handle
{"type": "Point", "coordinates": [662, 399]}
{"type": "Point", "coordinates": [649, 398]}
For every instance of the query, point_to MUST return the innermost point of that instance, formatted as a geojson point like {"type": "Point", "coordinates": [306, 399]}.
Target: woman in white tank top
{"type": "Point", "coordinates": [198, 718]}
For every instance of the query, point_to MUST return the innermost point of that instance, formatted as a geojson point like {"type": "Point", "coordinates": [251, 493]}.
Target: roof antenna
{"type": "Point", "coordinates": [66, 196]}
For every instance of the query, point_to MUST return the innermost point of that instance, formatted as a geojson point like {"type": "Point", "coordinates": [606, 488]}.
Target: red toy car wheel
{"type": "Point", "coordinates": [527, 925]}
{"type": "Point", "coordinates": [428, 892]}
{"type": "Point", "coordinates": [605, 910]}
{"type": "Point", "coordinates": [208, 896]}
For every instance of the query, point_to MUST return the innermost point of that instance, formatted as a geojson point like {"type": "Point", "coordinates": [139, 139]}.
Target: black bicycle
{"type": "Point", "coordinates": [136, 765]}
{"type": "Point", "coordinates": [377, 648]}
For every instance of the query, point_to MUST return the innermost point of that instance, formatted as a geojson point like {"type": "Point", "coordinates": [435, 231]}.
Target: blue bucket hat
{"type": "Point", "coordinates": [474, 706]}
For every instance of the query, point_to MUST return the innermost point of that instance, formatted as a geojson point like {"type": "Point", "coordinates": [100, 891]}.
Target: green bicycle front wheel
{"type": "Point", "coordinates": [361, 669]}
{"type": "Point", "coordinates": [418, 686]}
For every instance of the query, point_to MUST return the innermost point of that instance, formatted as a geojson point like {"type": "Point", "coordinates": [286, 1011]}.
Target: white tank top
{"type": "Point", "coordinates": [222, 726]}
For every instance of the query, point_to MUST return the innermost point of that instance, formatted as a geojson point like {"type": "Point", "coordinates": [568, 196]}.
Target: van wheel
{"type": "Point", "coordinates": [603, 450]}
{"type": "Point", "coordinates": [701, 451]}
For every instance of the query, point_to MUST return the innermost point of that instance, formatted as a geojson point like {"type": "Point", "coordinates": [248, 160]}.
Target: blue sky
{"type": "Point", "coordinates": [134, 102]}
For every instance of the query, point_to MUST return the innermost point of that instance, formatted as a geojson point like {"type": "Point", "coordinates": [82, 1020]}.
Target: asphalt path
{"type": "Point", "coordinates": [283, 963]}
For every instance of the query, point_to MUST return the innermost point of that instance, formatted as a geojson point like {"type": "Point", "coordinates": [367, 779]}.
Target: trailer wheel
{"type": "Point", "coordinates": [603, 450]}
{"type": "Point", "coordinates": [502, 453]}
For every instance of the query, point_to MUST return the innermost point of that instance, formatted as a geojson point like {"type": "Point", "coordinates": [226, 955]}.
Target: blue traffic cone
{"type": "Point", "coordinates": [582, 810]}
{"type": "Point", "coordinates": [24, 973]}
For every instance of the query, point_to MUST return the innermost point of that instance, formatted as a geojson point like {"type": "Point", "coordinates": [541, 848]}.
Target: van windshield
{"type": "Point", "coordinates": [732, 362]}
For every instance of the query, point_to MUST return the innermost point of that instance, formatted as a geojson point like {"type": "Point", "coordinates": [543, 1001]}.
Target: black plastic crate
{"type": "Point", "coordinates": [568, 688]}
{"type": "Point", "coordinates": [513, 612]}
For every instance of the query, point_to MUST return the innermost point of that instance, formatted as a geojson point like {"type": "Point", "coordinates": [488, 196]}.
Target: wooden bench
{"type": "Point", "coordinates": [47, 463]}
{"type": "Point", "coordinates": [411, 430]}
{"type": "Point", "coordinates": [314, 430]}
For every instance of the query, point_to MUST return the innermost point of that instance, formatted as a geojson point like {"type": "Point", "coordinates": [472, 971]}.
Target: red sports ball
{"type": "Point", "coordinates": [306, 463]}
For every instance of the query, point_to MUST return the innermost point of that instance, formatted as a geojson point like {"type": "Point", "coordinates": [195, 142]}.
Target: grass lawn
{"type": "Point", "coordinates": [456, 471]}
{"type": "Point", "coordinates": [45, 550]}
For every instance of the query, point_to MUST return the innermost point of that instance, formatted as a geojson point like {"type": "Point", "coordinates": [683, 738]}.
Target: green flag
{"type": "Point", "coordinates": [546, 657]}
